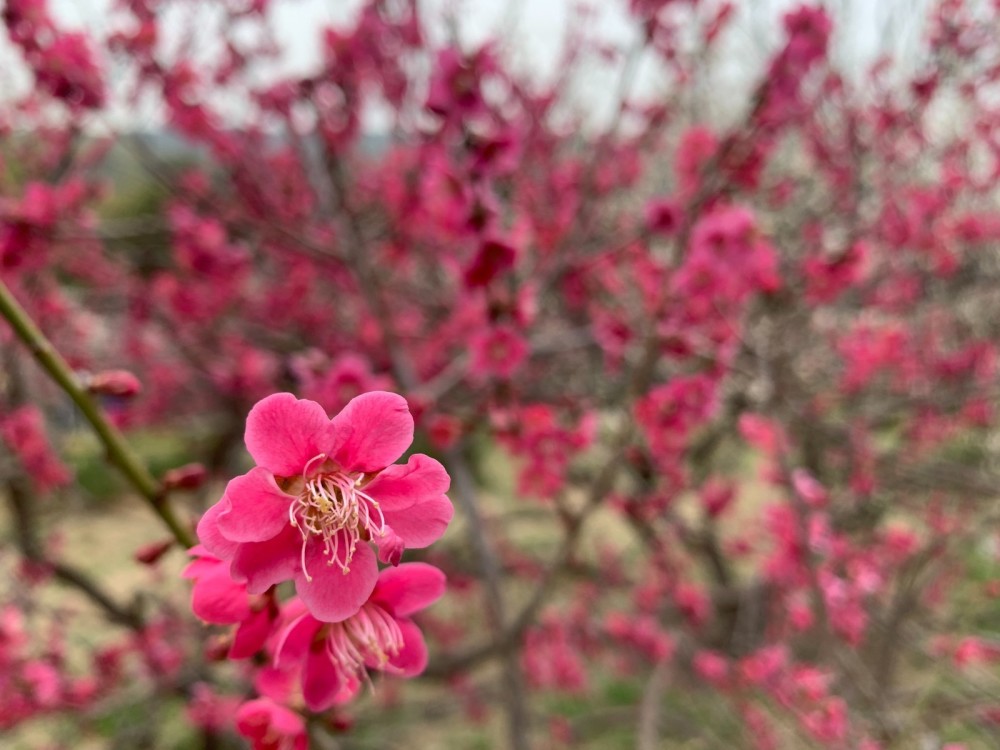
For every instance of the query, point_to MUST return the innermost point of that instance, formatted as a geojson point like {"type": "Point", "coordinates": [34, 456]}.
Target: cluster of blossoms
{"type": "Point", "coordinates": [324, 491]}
{"type": "Point", "coordinates": [23, 431]}
{"type": "Point", "coordinates": [35, 684]}
{"type": "Point", "coordinates": [63, 62]}
{"type": "Point", "coordinates": [43, 672]}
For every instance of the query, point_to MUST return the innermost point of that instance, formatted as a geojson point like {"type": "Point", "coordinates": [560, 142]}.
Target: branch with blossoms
{"type": "Point", "coordinates": [715, 405]}
{"type": "Point", "coordinates": [118, 451]}
{"type": "Point", "coordinates": [322, 492]}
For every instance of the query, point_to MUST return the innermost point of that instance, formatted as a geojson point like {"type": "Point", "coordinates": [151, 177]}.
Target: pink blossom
{"type": "Point", "coordinates": [717, 495]}
{"type": "Point", "coordinates": [808, 488]}
{"type": "Point", "coordinates": [547, 447]}
{"type": "Point", "coordinates": [23, 430]}
{"type": "Point", "coordinates": [765, 665]}
{"type": "Point", "coordinates": [493, 259]}
{"type": "Point", "coordinates": [455, 91]}
{"type": "Point", "coordinates": [68, 70]}
{"type": "Point", "coordinates": [321, 490]}
{"type": "Point", "coordinates": [335, 657]}
{"type": "Point", "coordinates": [712, 667]}
{"type": "Point", "coordinates": [497, 352]}
{"type": "Point", "coordinates": [663, 216]}
{"type": "Point", "coordinates": [552, 657]}
{"type": "Point", "coordinates": [829, 723]}
{"type": "Point", "coordinates": [269, 726]}
{"type": "Point", "coordinates": [209, 710]}
{"type": "Point", "coordinates": [693, 603]}
{"type": "Point", "coordinates": [334, 384]}
{"type": "Point", "coordinates": [697, 145]}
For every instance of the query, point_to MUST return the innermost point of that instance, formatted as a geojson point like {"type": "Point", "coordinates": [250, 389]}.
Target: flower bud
{"type": "Point", "coordinates": [120, 383]}
{"type": "Point", "coordinates": [187, 477]}
{"type": "Point", "coordinates": [150, 554]}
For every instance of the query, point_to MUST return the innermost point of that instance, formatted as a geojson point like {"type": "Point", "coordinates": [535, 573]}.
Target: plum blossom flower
{"type": "Point", "coordinates": [333, 384]}
{"type": "Point", "coordinates": [321, 490]}
{"type": "Point", "coordinates": [335, 657]}
{"type": "Point", "coordinates": [497, 352]}
{"type": "Point", "coordinates": [270, 726]}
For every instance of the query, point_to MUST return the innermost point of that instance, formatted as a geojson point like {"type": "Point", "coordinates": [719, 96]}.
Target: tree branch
{"type": "Point", "coordinates": [118, 450]}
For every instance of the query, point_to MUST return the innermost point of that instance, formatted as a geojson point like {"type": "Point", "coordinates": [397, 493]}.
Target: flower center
{"type": "Point", "coordinates": [368, 639]}
{"type": "Point", "coordinates": [332, 507]}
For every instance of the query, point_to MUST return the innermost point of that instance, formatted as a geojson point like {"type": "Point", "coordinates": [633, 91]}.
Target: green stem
{"type": "Point", "coordinates": [117, 448]}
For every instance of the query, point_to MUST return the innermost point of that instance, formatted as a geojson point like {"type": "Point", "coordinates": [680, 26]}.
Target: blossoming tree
{"type": "Point", "coordinates": [715, 402]}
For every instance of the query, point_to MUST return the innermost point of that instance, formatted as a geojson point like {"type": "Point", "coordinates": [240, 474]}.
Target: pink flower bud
{"type": "Point", "coordinates": [150, 554]}
{"type": "Point", "coordinates": [114, 383]}
{"type": "Point", "coordinates": [187, 477]}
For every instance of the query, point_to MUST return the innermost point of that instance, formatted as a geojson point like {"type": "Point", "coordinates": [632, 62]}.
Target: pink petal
{"type": "Point", "coordinates": [421, 524]}
{"type": "Point", "coordinates": [372, 431]}
{"type": "Point", "coordinates": [412, 658]}
{"type": "Point", "coordinates": [202, 565]}
{"type": "Point", "coordinates": [333, 595]}
{"type": "Point", "coordinates": [264, 564]}
{"type": "Point", "coordinates": [295, 641]}
{"type": "Point", "coordinates": [284, 433]}
{"type": "Point", "coordinates": [409, 588]}
{"type": "Point", "coordinates": [217, 598]}
{"type": "Point", "coordinates": [209, 534]}
{"type": "Point", "coordinates": [390, 547]}
{"type": "Point", "coordinates": [198, 551]}
{"type": "Point", "coordinates": [320, 679]}
{"type": "Point", "coordinates": [260, 718]}
{"type": "Point", "coordinates": [258, 509]}
{"type": "Point", "coordinates": [402, 485]}
{"type": "Point", "coordinates": [276, 684]}
{"type": "Point", "coordinates": [251, 634]}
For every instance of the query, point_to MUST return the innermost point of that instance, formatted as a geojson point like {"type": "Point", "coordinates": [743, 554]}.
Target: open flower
{"type": "Point", "coordinates": [335, 657]}
{"type": "Point", "coordinates": [322, 490]}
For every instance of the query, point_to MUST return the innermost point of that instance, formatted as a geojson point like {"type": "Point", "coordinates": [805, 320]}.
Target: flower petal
{"type": "Point", "coordinates": [284, 433]}
{"type": "Point", "coordinates": [333, 595]}
{"type": "Point", "coordinates": [217, 598]}
{"type": "Point", "coordinates": [294, 642]}
{"type": "Point", "coordinates": [421, 524]}
{"type": "Point", "coordinates": [263, 719]}
{"type": "Point", "coordinates": [409, 588]}
{"type": "Point", "coordinates": [320, 679]}
{"type": "Point", "coordinates": [209, 534]}
{"type": "Point", "coordinates": [252, 634]}
{"type": "Point", "coordinates": [372, 431]}
{"type": "Point", "coordinates": [264, 564]}
{"type": "Point", "coordinates": [402, 485]}
{"type": "Point", "coordinates": [412, 657]}
{"type": "Point", "coordinates": [257, 510]}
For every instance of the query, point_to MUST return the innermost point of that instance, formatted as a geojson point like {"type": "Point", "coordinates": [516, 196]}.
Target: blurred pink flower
{"type": "Point", "coordinates": [497, 352]}
{"type": "Point", "coordinates": [23, 430]}
{"type": "Point", "coordinates": [269, 726]}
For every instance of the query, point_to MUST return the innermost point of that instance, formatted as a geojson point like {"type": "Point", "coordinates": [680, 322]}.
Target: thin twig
{"type": "Point", "coordinates": [118, 450]}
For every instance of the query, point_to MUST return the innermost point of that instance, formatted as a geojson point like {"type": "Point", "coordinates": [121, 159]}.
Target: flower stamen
{"type": "Point", "coordinates": [332, 507]}
{"type": "Point", "coordinates": [368, 639]}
